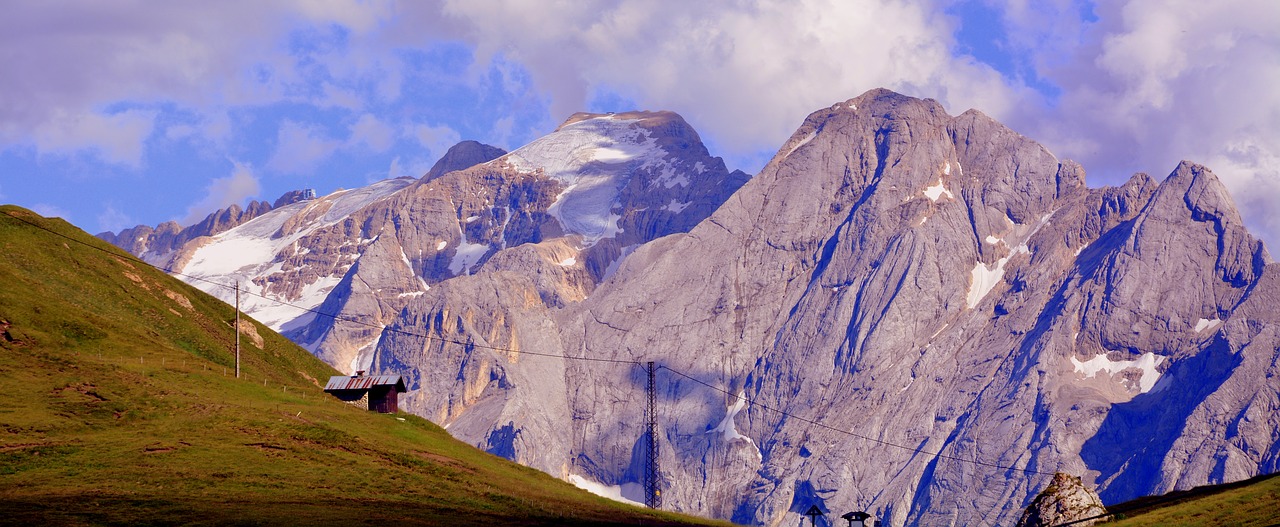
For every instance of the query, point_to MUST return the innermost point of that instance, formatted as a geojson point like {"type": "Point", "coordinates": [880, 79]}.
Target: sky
{"type": "Point", "coordinates": [114, 114]}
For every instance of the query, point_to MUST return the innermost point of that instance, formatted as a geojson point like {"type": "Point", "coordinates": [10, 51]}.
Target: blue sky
{"type": "Point", "coordinates": [125, 113]}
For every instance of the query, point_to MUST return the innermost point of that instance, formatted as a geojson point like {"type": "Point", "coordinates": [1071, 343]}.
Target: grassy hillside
{"type": "Point", "coordinates": [1255, 502]}
{"type": "Point", "coordinates": [118, 405]}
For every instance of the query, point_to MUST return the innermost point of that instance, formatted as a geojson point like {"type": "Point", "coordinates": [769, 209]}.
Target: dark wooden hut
{"type": "Point", "coordinates": [381, 391]}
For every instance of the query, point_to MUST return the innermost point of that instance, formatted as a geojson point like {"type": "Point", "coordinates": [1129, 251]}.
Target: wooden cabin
{"type": "Point", "coordinates": [379, 393]}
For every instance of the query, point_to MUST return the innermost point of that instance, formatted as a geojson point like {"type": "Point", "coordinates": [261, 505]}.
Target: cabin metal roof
{"type": "Point", "coordinates": [364, 382]}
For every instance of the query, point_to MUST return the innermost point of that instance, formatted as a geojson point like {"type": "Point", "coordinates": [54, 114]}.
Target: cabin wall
{"type": "Point", "coordinates": [384, 399]}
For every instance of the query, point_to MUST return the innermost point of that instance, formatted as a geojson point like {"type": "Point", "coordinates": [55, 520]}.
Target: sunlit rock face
{"type": "Point", "coordinates": [932, 314]}
{"type": "Point", "coordinates": [952, 301]}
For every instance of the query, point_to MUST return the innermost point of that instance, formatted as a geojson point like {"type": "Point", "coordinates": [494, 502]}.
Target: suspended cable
{"type": "Point", "coordinates": [317, 312]}
{"type": "Point", "coordinates": [850, 433]}
{"type": "Point", "coordinates": [509, 350]}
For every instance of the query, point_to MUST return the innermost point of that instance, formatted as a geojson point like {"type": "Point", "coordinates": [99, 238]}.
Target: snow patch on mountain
{"type": "Point", "coordinates": [617, 262]}
{"type": "Point", "coordinates": [251, 251]}
{"type": "Point", "coordinates": [1204, 324]}
{"type": "Point", "coordinates": [802, 142]}
{"type": "Point", "coordinates": [936, 191]}
{"type": "Point", "coordinates": [729, 429]}
{"type": "Point", "coordinates": [676, 206]}
{"type": "Point", "coordinates": [363, 361]}
{"type": "Point", "coordinates": [594, 158]}
{"type": "Point", "coordinates": [1146, 363]}
{"type": "Point", "coordinates": [623, 493]}
{"type": "Point", "coordinates": [983, 279]}
{"type": "Point", "coordinates": [466, 255]}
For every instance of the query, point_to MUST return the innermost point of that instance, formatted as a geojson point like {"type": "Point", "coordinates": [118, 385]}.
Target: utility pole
{"type": "Point", "coordinates": [652, 495]}
{"type": "Point", "coordinates": [237, 329]}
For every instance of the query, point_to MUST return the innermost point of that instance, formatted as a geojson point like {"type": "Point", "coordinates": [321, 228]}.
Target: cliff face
{"type": "Point", "coordinates": [930, 314]}
{"type": "Point", "coordinates": [941, 293]}
{"type": "Point", "coordinates": [158, 244]}
{"type": "Point", "coordinates": [1065, 500]}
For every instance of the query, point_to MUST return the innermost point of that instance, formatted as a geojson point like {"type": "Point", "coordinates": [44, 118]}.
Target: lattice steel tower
{"type": "Point", "coordinates": [652, 494]}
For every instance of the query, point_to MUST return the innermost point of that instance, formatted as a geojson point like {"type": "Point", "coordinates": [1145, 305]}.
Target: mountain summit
{"type": "Point", "coordinates": [957, 309]}
{"type": "Point", "coordinates": [919, 315]}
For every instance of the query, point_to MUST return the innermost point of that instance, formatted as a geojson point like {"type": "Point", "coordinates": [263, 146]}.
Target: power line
{"type": "Point", "coordinates": [350, 320]}
{"type": "Point", "coordinates": [850, 433]}
{"type": "Point", "coordinates": [582, 358]}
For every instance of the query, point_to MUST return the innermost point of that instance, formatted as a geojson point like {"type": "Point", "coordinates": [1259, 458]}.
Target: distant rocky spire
{"type": "Point", "coordinates": [463, 155]}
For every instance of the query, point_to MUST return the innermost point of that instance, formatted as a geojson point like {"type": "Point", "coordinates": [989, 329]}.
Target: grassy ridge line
{"type": "Point", "coordinates": [117, 407]}
{"type": "Point", "coordinates": [1253, 502]}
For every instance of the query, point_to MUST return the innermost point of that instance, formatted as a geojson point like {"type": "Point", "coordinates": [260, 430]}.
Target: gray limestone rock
{"type": "Point", "coordinates": [1065, 500]}
{"type": "Point", "coordinates": [913, 314]}
{"type": "Point", "coordinates": [461, 156]}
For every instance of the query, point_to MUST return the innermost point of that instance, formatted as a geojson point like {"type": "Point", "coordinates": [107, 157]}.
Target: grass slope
{"type": "Point", "coordinates": [1253, 502]}
{"type": "Point", "coordinates": [118, 406]}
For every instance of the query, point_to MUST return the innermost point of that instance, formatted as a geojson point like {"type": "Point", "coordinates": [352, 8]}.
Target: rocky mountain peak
{"type": "Point", "coordinates": [158, 245]}
{"type": "Point", "coordinates": [1201, 192]}
{"type": "Point", "coordinates": [962, 314]}
{"type": "Point", "coordinates": [293, 196]}
{"type": "Point", "coordinates": [461, 156]}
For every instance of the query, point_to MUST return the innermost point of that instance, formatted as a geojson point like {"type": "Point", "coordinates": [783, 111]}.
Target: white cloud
{"type": "Point", "coordinates": [50, 211]}
{"type": "Point", "coordinates": [77, 58]}
{"type": "Point", "coordinates": [117, 138]}
{"type": "Point", "coordinates": [746, 74]}
{"type": "Point", "coordinates": [223, 192]}
{"type": "Point", "coordinates": [300, 148]}
{"type": "Point", "coordinates": [436, 139]}
{"type": "Point", "coordinates": [371, 132]}
{"type": "Point", "coordinates": [113, 220]}
{"type": "Point", "coordinates": [413, 168]}
{"type": "Point", "coordinates": [1150, 83]}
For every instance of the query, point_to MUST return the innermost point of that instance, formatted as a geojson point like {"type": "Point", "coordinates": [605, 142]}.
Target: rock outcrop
{"type": "Point", "coordinates": [1065, 500]}
{"type": "Point", "coordinates": [462, 156]}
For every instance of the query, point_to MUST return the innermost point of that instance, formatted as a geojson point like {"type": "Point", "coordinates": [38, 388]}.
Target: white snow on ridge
{"type": "Point", "coordinates": [247, 252]}
{"type": "Point", "coordinates": [593, 158]}
{"type": "Point", "coordinates": [802, 142]}
{"type": "Point", "coordinates": [228, 255]}
{"type": "Point", "coordinates": [623, 493]}
{"type": "Point", "coordinates": [983, 279]}
{"type": "Point", "coordinates": [1147, 362]}
{"type": "Point", "coordinates": [276, 315]}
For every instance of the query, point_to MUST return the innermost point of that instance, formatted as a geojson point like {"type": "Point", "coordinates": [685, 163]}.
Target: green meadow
{"type": "Point", "coordinates": [119, 406]}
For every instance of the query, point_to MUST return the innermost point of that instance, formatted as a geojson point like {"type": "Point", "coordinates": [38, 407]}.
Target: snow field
{"type": "Point", "coordinates": [248, 252]}
{"type": "Point", "coordinates": [1147, 362]}
{"type": "Point", "coordinates": [613, 492]}
{"type": "Point", "coordinates": [594, 158]}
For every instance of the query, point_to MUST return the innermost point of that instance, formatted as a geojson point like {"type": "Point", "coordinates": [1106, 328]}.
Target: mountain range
{"type": "Point", "coordinates": [919, 315]}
